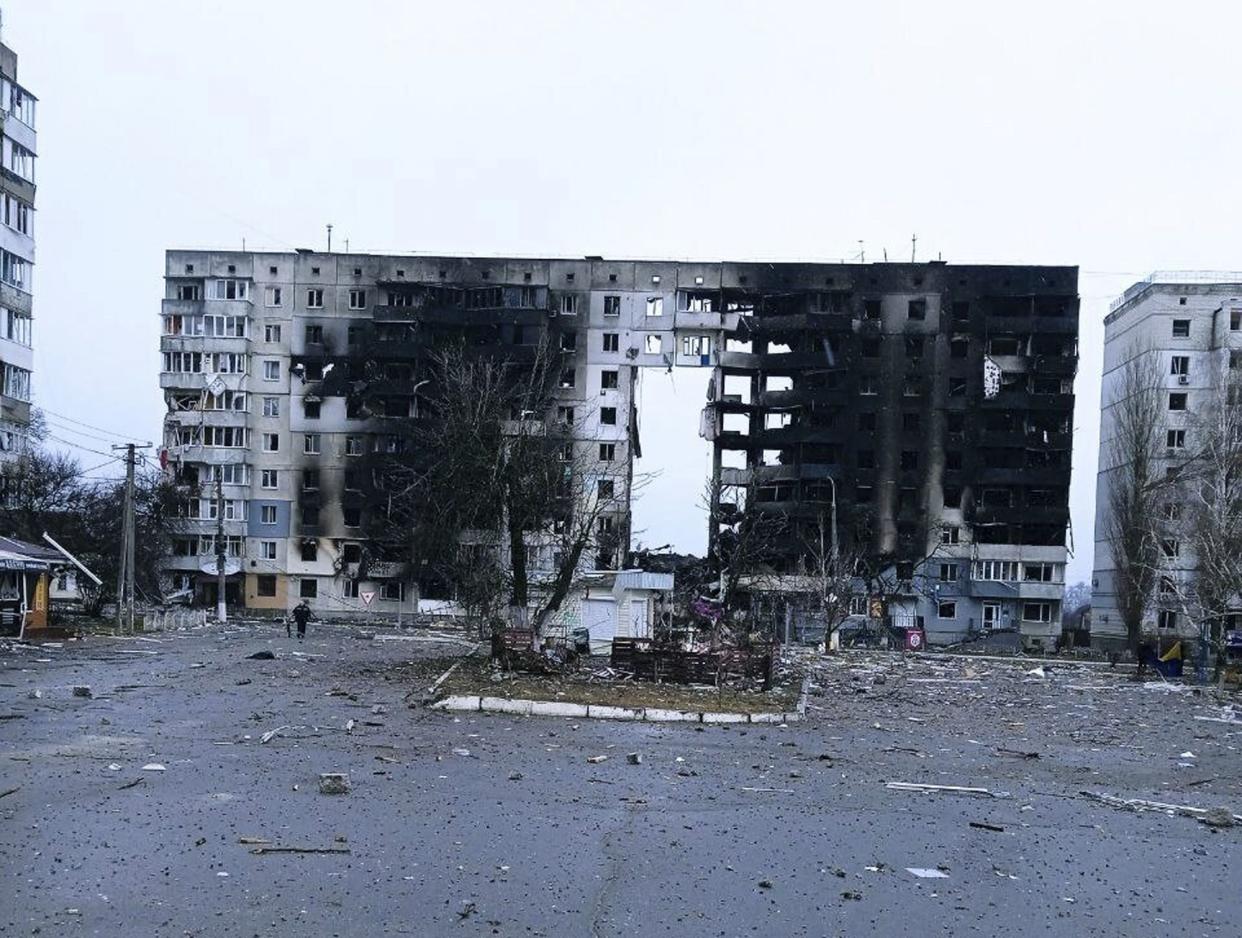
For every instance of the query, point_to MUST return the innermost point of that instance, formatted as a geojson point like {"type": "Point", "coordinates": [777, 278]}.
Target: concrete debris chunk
{"type": "Point", "coordinates": [334, 783]}
{"type": "Point", "coordinates": [634, 758]}
{"type": "Point", "coordinates": [596, 760]}
{"type": "Point", "coordinates": [923, 872]}
{"type": "Point", "coordinates": [262, 656]}
{"type": "Point", "coordinates": [154, 767]}
{"type": "Point", "coordinates": [81, 690]}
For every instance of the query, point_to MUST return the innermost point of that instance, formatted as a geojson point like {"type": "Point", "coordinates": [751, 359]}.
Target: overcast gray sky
{"type": "Point", "coordinates": [1103, 135]}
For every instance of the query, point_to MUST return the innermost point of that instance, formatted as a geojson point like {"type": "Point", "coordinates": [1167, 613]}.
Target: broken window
{"type": "Point", "coordinates": [314, 298]}
{"type": "Point", "coordinates": [310, 480]}
{"type": "Point", "coordinates": [946, 610]}
{"type": "Point", "coordinates": [952, 496]}
{"type": "Point", "coordinates": [950, 534]}
{"type": "Point", "coordinates": [866, 420]}
{"type": "Point", "coordinates": [1004, 345]}
{"type": "Point", "coordinates": [352, 517]}
{"type": "Point", "coordinates": [911, 421]}
{"type": "Point", "coordinates": [916, 309]}
{"type": "Point", "coordinates": [866, 459]}
{"type": "Point", "coordinates": [308, 588]}
{"type": "Point", "coordinates": [612, 305]}
{"type": "Point", "coordinates": [1037, 612]}
{"type": "Point", "coordinates": [569, 304]}
{"type": "Point", "coordinates": [1039, 572]}
{"type": "Point", "coordinates": [607, 452]}
{"type": "Point", "coordinates": [565, 416]}
{"type": "Point", "coordinates": [569, 341]}
{"type": "Point", "coordinates": [568, 376]}
{"type": "Point", "coordinates": [233, 437]}
{"type": "Point", "coordinates": [653, 344]}
{"type": "Point", "coordinates": [1170, 546]}
{"type": "Point", "coordinates": [655, 306]}
{"type": "Point", "coordinates": [1177, 401]}
{"type": "Point", "coordinates": [866, 385]}
{"type": "Point", "coordinates": [231, 289]}
{"type": "Point", "coordinates": [609, 380]}
{"type": "Point", "coordinates": [958, 348]}
{"type": "Point", "coordinates": [1167, 619]}
{"type": "Point", "coordinates": [606, 488]}
{"type": "Point", "coordinates": [914, 347]}
{"type": "Point", "coordinates": [1181, 328]}
{"type": "Point", "coordinates": [909, 460]}
{"type": "Point", "coordinates": [265, 585]}
{"type": "Point", "coordinates": [392, 590]}
{"type": "Point", "coordinates": [310, 408]}
{"type": "Point", "coordinates": [696, 345]}
{"type": "Point", "coordinates": [612, 342]}
{"type": "Point", "coordinates": [353, 446]}
{"type": "Point", "coordinates": [1235, 320]}
{"type": "Point", "coordinates": [311, 443]}
{"type": "Point", "coordinates": [1175, 439]}
{"type": "Point", "coordinates": [272, 296]}
{"type": "Point", "coordinates": [310, 551]}
{"type": "Point", "coordinates": [864, 494]}
{"type": "Point", "coordinates": [1179, 365]}
{"type": "Point", "coordinates": [608, 415]}
{"type": "Point", "coordinates": [957, 387]}
{"type": "Point", "coordinates": [188, 292]}
{"type": "Point", "coordinates": [871, 348]}
{"type": "Point", "coordinates": [961, 311]}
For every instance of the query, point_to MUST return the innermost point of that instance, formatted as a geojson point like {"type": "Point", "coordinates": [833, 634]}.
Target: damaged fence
{"type": "Point", "coordinates": [647, 662]}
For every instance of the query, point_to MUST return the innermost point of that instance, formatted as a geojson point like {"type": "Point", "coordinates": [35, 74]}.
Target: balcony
{"type": "Point", "coordinates": [801, 322]}
{"type": "Point", "coordinates": [456, 316]}
{"type": "Point", "coordinates": [706, 322]}
{"type": "Point", "coordinates": [195, 381]}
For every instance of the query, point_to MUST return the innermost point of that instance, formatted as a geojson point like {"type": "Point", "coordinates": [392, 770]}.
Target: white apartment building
{"type": "Point", "coordinates": [1192, 322]}
{"type": "Point", "coordinates": [18, 149]}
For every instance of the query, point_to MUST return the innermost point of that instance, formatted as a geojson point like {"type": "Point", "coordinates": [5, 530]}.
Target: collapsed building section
{"type": "Point", "coordinates": [923, 413]}
{"type": "Point", "coordinates": [923, 409]}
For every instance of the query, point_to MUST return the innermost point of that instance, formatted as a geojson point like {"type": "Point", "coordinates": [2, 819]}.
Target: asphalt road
{"type": "Point", "coordinates": [489, 825]}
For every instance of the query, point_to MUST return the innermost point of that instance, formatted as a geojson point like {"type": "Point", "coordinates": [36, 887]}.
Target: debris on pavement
{"type": "Point", "coordinates": [948, 789]}
{"type": "Point", "coordinates": [154, 767]}
{"type": "Point", "coordinates": [10, 791]}
{"type": "Point", "coordinates": [515, 776]}
{"type": "Point", "coordinates": [334, 783]}
{"type": "Point", "coordinates": [1218, 815]}
{"type": "Point", "coordinates": [984, 826]}
{"type": "Point", "coordinates": [81, 690]}
{"type": "Point", "coordinates": [262, 656]}
{"type": "Point", "coordinates": [596, 760]}
{"type": "Point", "coordinates": [1021, 754]}
{"type": "Point", "coordinates": [923, 872]}
{"type": "Point", "coordinates": [271, 734]}
{"type": "Point", "coordinates": [275, 848]}
{"type": "Point", "coordinates": [137, 781]}
{"type": "Point", "coordinates": [634, 758]}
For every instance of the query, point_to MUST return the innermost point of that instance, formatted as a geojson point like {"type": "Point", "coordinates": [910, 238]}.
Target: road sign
{"type": "Point", "coordinates": [367, 596]}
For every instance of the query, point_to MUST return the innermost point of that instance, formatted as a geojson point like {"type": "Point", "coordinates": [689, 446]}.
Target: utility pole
{"type": "Point", "coordinates": [125, 570]}
{"type": "Point", "coordinates": [914, 243]}
{"type": "Point", "coordinates": [221, 607]}
{"type": "Point", "coordinates": [329, 239]}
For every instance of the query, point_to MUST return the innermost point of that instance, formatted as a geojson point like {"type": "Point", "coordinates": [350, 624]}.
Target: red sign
{"type": "Point", "coordinates": [367, 596]}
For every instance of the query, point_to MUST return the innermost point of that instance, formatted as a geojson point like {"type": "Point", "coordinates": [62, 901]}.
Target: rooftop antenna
{"type": "Point", "coordinates": [347, 245]}
{"type": "Point", "coordinates": [329, 239]}
{"type": "Point", "coordinates": [914, 243]}
{"type": "Point", "coordinates": [886, 255]}
{"type": "Point", "coordinates": [862, 252]}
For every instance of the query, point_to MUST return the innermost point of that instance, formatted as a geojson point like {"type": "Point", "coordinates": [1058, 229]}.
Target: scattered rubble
{"type": "Point", "coordinates": [81, 690]}
{"type": "Point", "coordinates": [262, 656]}
{"type": "Point", "coordinates": [334, 783]}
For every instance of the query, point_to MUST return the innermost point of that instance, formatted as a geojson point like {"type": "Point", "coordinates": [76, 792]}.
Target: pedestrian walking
{"type": "Point", "coordinates": [301, 615]}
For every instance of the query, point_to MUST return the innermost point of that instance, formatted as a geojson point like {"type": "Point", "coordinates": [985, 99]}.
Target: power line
{"type": "Point", "coordinates": [85, 449]}
{"type": "Point", "coordinates": [82, 423]}
{"type": "Point", "coordinates": [63, 428]}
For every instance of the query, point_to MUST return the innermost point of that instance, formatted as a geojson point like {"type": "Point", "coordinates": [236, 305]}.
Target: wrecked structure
{"type": "Point", "coordinates": [929, 403]}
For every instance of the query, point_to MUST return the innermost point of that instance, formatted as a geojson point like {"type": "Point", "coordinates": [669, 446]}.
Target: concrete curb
{"type": "Point", "coordinates": [550, 708]}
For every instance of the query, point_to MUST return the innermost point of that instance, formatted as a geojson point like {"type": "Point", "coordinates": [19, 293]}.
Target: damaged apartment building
{"type": "Point", "coordinates": [17, 251]}
{"type": "Point", "coordinates": [931, 402]}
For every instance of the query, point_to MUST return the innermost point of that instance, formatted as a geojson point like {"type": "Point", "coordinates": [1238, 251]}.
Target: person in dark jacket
{"type": "Point", "coordinates": [301, 615]}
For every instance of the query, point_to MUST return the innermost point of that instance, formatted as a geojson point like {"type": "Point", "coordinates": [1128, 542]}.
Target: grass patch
{"type": "Point", "coordinates": [476, 677]}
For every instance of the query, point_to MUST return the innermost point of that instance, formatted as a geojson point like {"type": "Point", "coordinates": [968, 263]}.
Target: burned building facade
{"type": "Point", "coordinates": [930, 405]}
{"type": "Point", "coordinates": [930, 402]}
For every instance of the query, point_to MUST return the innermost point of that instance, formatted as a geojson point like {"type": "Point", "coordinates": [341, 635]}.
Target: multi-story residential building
{"type": "Point", "coordinates": [930, 405]}
{"type": "Point", "coordinates": [1190, 323]}
{"type": "Point", "coordinates": [17, 198]}
{"type": "Point", "coordinates": [933, 400]}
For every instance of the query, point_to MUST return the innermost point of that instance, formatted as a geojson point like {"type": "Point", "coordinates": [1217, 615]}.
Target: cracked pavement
{"type": "Point", "coordinates": [721, 830]}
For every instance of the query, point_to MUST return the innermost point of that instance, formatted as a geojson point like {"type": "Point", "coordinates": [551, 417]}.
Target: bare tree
{"type": "Point", "coordinates": [1205, 516]}
{"type": "Point", "coordinates": [1135, 488]}
{"type": "Point", "coordinates": [835, 573]}
{"type": "Point", "coordinates": [741, 550]}
{"type": "Point", "coordinates": [502, 498]}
